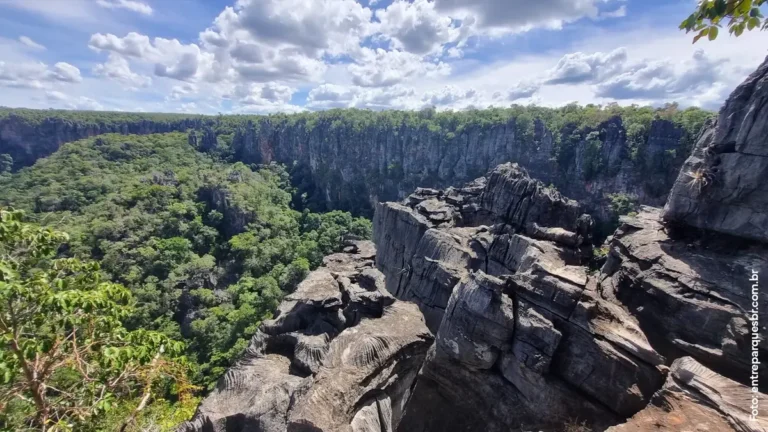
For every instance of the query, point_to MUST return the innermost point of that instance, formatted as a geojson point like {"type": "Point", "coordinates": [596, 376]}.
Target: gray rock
{"type": "Point", "coordinates": [337, 357]}
{"type": "Point", "coordinates": [691, 299]}
{"type": "Point", "coordinates": [722, 187]}
{"type": "Point", "coordinates": [696, 398]}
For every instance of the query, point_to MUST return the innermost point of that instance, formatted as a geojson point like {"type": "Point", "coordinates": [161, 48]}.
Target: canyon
{"type": "Point", "coordinates": [351, 159]}
{"type": "Point", "coordinates": [480, 308]}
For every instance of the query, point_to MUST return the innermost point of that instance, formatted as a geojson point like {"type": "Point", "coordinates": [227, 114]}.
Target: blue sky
{"type": "Point", "coordinates": [260, 56]}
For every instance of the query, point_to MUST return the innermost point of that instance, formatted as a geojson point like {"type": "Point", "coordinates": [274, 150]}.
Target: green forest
{"type": "Point", "coordinates": [206, 249]}
{"type": "Point", "coordinates": [173, 257]}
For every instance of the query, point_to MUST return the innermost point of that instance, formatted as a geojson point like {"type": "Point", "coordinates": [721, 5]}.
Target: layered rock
{"type": "Point", "coordinates": [695, 398]}
{"type": "Point", "coordinates": [691, 295]}
{"type": "Point", "coordinates": [722, 186]}
{"type": "Point", "coordinates": [527, 337]}
{"type": "Point", "coordinates": [521, 331]}
{"type": "Point", "coordinates": [342, 354]}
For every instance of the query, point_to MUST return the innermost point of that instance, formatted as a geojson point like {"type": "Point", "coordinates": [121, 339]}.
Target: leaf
{"type": "Point", "coordinates": [713, 33]}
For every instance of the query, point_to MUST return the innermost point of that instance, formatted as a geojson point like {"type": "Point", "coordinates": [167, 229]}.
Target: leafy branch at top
{"type": "Point", "coordinates": [738, 15]}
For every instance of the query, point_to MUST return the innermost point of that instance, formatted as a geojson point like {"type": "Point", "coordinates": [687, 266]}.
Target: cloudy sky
{"type": "Point", "coordinates": [259, 56]}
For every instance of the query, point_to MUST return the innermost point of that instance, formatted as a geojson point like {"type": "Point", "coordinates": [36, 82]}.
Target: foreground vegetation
{"type": "Point", "coordinates": [205, 249]}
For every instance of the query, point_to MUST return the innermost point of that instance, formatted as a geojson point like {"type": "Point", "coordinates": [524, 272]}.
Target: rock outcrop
{"type": "Point", "coordinates": [695, 398]}
{"type": "Point", "coordinates": [342, 354]}
{"type": "Point", "coordinates": [526, 335]}
{"type": "Point", "coordinates": [722, 186]}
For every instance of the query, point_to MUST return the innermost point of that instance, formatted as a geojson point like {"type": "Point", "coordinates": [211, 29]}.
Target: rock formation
{"type": "Point", "coordinates": [722, 186]}
{"type": "Point", "coordinates": [526, 335]}
{"type": "Point", "coordinates": [341, 354]}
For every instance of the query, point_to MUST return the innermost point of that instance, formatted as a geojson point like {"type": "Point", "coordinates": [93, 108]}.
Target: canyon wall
{"type": "Point", "coordinates": [26, 141]}
{"type": "Point", "coordinates": [351, 160]}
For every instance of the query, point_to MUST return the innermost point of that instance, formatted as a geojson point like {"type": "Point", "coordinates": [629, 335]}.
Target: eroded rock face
{"type": "Point", "coordinates": [342, 355]}
{"type": "Point", "coordinates": [696, 398]}
{"type": "Point", "coordinates": [692, 295]}
{"type": "Point", "coordinates": [527, 337]}
{"type": "Point", "coordinates": [722, 186]}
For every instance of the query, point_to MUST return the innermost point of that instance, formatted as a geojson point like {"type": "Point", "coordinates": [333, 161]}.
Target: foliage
{"type": "Point", "coordinates": [709, 16]}
{"type": "Point", "coordinates": [206, 248]}
{"type": "Point", "coordinates": [622, 204]}
{"type": "Point", "coordinates": [65, 354]}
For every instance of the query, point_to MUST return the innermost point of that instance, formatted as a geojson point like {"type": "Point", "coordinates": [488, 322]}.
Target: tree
{"type": "Point", "coordinates": [707, 20]}
{"type": "Point", "coordinates": [64, 354]}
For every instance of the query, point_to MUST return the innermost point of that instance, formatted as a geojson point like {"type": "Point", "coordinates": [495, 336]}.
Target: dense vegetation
{"type": "Point", "coordinates": [66, 354]}
{"type": "Point", "coordinates": [206, 248]}
{"type": "Point", "coordinates": [207, 245]}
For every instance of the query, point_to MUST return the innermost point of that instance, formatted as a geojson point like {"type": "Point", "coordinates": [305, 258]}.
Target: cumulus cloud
{"type": "Point", "coordinates": [131, 5]}
{"type": "Point", "coordinates": [117, 68]}
{"type": "Point", "coordinates": [663, 79]}
{"type": "Point", "coordinates": [417, 27]}
{"type": "Point", "coordinates": [132, 45]}
{"type": "Point", "coordinates": [181, 91]}
{"type": "Point", "coordinates": [312, 26]}
{"type": "Point", "coordinates": [578, 67]}
{"type": "Point", "coordinates": [171, 58]}
{"type": "Point", "coordinates": [521, 90]}
{"type": "Point", "coordinates": [65, 72]}
{"type": "Point", "coordinates": [58, 99]}
{"type": "Point", "coordinates": [336, 96]}
{"type": "Point", "coordinates": [379, 68]}
{"type": "Point", "coordinates": [29, 43]}
{"type": "Point", "coordinates": [450, 96]}
{"type": "Point", "coordinates": [37, 75]}
{"type": "Point", "coordinates": [521, 15]}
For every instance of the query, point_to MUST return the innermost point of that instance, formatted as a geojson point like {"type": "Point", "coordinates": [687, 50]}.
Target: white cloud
{"type": "Point", "coordinates": [417, 27]}
{"type": "Point", "coordinates": [37, 75]}
{"type": "Point", "coordinates": [620, 12]}
{"type": "Point", "coordinates": [378, 68]}
{"type": "Point", "coordinates": [29, 43]}
{"type": "Point", "coordinates": [310, 26]}
{"type": "Point", "coordinates": [579, 67]}
{"type": "Point", "coordinates": [182, 91]}
{"type": "Point", "coordinates": [336, 96]}
{"type": "Point", "coordinates": [66, 72]}
{"type": "Point", "coordinates": [171, 58]}
{"type": "Point", "coordinates": [451, 97]}
{"type": "Point", "coordinates": [55, 96]}
{"type": "Point", "coordinates": [521, 15]}
{"type": "Point", "coordinates": [655, 80]}
{"type": "Point", "coordinates": [118, 69]}
{"type": "Point", "coordinates": [133, 44]}
{"type": "Point", "coordinates": [521, 90]}
{"type": "Point", "coordinates": [131, 5]}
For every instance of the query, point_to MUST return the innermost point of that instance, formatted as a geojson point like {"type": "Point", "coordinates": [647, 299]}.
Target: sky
{"type": "Point", "coordinates": [265, 56]}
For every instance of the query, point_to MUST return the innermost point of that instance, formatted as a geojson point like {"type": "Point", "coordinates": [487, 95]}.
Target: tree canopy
{"type": "Point", "coordinates": [66, 355]}
{"type": "Point", "coordinates": [738, 15]}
